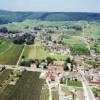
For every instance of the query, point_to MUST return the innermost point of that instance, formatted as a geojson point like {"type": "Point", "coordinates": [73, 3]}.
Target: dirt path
{"type": "Point", "coordinates": [85, 41]}
{"type": "Point", "coordinates": [50, 92]}
{"type": "Point", "coordinates": [21, 55]}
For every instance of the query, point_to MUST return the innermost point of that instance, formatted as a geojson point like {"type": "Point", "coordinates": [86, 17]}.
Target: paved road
{"type": "Point", "coordinates": [21, 68]}
{"type": "Point", "coordinates": [88, 92]}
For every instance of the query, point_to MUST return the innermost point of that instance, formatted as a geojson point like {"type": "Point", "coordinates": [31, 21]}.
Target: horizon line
{"type": "Point", "coordinates": [48, 11]}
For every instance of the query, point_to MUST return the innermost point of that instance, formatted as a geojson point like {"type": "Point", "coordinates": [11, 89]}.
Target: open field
{"type": "Point", "coordinates": [55, 95]}
{"type": "Point", "coordinates": [38, 51]}
{"type": "Point", "coordinates": [71, 41]}
{"type": "Point", "coordinates": [26, 88]}
{"type": "Point", "coordinates": [44, 93]}
{"type": "Point", "coordinates": [91, 28]}
{"type": "Point", "coordinates": [35, 52]}
{"type": "Point", "coordinates": [4, 44]}
{"type": "Point", "coordinates": [9, 52]}
{"type": "Point", "coordinates": [77, 45]}
{"type": "Point", "coordinates": [3, 79]}
{"type": "Point", "coordinates": [4, 75]}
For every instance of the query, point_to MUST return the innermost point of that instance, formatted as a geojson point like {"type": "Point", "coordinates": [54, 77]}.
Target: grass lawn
{"type": "Point", "coordinates": [74, 83]}
{"type": "Point", "coordinates": [9, 53]}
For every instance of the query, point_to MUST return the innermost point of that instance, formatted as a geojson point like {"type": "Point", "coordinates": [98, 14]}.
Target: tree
{"type": "Point", "coordinates": [25, 63]}
{"type": "Point", "coordinates": [3, 29]}
{"type": "Point", "coordinates": [32, 61]}
{"type": "Point", "coordinates": [23, 57]}
{"type": "Point", "coordinates": [71, 67]}
{"type": "Point", "coordinates": [69, 61]}
{"type": "Point", "coordinates": [65, 66]}
{"type": "Point", "coordinates": [37, 63]}
{"type": "Point", "coordinates": [45, 67]}
{"type": "Point", "coordinates": [26, 38]}
{"type": "Point", "coordinates": [49, 60]}
{"type": "Point", "coordinates": [54, 42]}
{"type": "Point", "coordinates": [96, 95]}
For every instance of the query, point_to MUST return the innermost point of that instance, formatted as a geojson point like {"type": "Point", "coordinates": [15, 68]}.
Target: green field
{"type": "Point", "coordinates": [74, 83]}
{"type": "Point", "coordinates": [91, 28]}
{"type": "Point", "coordinates": [77, 45]}
{"type": "Point", "coordinates": [9, 52]}
{"type": "Point", "coordinates": [72, 38]}
{"type": "Point", "coordinates": [38, 51]}
{"type": "Point", "coordinates": [55, 95]}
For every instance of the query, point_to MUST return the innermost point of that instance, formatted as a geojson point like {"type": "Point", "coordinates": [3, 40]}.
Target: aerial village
{"type": "Point", "coordinates": [73, 78]}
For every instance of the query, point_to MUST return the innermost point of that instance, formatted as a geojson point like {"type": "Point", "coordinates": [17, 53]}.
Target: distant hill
{"type": "Point", "coordinates": [9, 16]}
